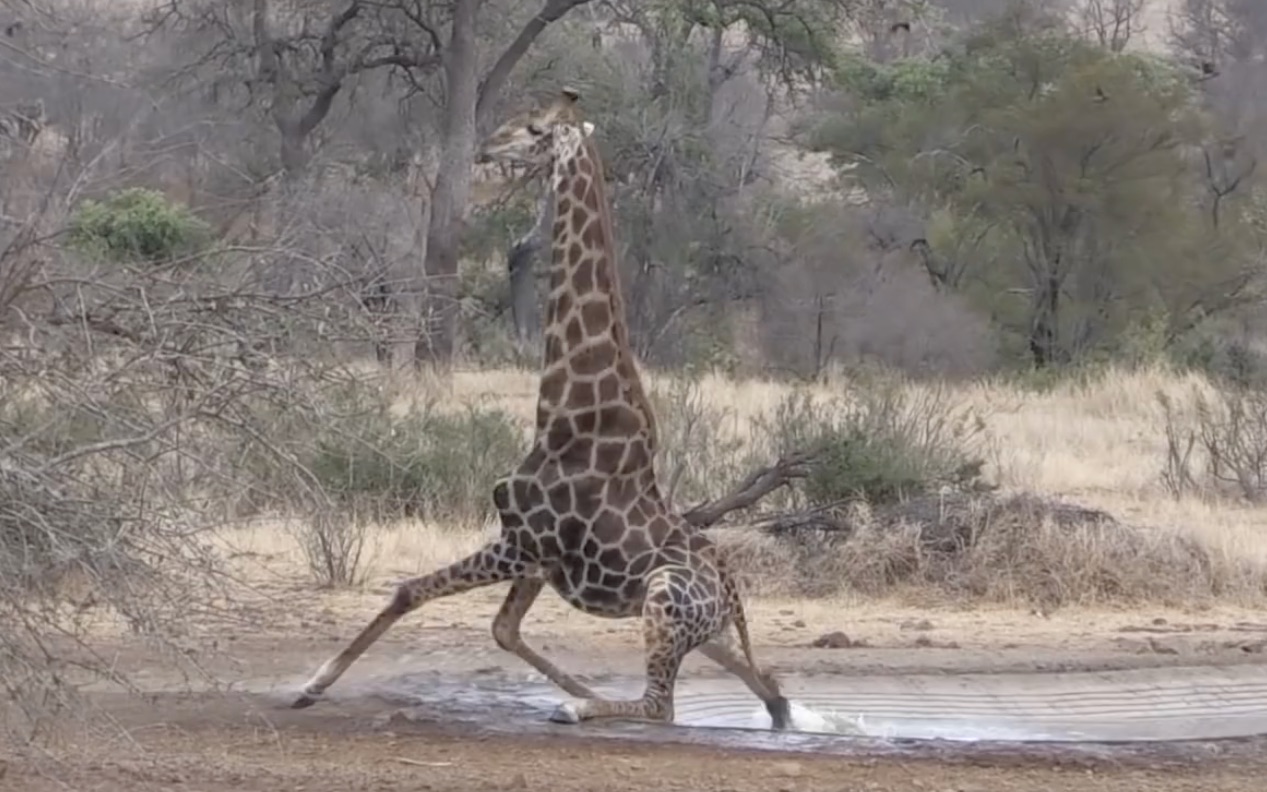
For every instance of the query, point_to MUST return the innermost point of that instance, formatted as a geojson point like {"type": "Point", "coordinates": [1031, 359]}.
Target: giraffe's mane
{"type": "Point", "coordinates": [598, 182]}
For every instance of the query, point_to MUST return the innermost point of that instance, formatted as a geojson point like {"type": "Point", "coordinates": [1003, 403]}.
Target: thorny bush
{"type": "Point", "coordinates": [131, 397]}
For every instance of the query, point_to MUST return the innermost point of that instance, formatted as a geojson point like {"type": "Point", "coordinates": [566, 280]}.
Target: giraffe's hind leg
{"type": "Point", "coordinates": [506, 633]}
{"type": "Point", "coordinates": [673, 624]}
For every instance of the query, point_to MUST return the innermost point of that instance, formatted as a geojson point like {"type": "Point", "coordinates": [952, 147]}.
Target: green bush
{"type": "Point", "coordinates": [882, 444]}
{"type": "Point", "coordinates": [1227, 360]}
{"type": "Point", "coordinates": [136, 224]}
{"type": "Point", "coordinates": [423, 463]}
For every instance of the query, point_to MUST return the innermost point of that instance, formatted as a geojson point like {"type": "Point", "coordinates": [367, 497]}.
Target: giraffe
{"type": "Point", "coordinates": [583, 511]}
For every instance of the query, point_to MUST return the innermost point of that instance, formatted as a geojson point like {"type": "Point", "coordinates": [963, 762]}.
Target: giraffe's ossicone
{"type": "Point", "coordinates": [583, 511]}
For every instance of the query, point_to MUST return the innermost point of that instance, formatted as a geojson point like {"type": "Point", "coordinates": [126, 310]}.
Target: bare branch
{"type": "Point", "coordinates": [752, 489]}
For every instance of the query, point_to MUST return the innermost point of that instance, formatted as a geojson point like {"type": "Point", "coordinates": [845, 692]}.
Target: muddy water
{"type": "Point", "coordinates": [1165, 712]}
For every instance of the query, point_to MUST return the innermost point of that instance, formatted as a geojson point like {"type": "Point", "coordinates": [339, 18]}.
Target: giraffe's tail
{"type": "Point", "coordinates": [775, 702]}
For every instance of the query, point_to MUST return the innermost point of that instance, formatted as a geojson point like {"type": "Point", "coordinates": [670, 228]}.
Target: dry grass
{"type": "Point", "coordinates": [1099, 444]}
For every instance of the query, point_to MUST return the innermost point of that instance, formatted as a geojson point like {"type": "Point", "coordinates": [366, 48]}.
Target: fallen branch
{"type": "Point", "coordinates": [753, 488]}
{"type": "Point", "coordinates": [822, 518]}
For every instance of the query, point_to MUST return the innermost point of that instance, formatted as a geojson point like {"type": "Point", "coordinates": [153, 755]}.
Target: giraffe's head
{"type": "Point", "coordinates": [540, 136]}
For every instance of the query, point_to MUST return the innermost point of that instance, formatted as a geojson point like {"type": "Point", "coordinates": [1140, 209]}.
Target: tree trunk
{"type": "Point", "coordinates": [521, 263]}
{"type": "Point", "coordinates": [452, 189]}
{"type": "Point", "coordinates": [500, 73]}
{"type": "Point", "coordinates": [1044, 334]}
{"type": "Point", "coordinates": [467, 100]}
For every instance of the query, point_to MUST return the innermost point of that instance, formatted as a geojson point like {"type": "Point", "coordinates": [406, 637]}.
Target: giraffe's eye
{"type": "Point", "coordinates": [535, 130]}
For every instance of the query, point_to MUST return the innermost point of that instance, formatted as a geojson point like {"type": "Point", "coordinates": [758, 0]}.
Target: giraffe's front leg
{"type": "Point", "coordinates": [506, 633]}
{"type": "Point", "coordinates": [494, 563]}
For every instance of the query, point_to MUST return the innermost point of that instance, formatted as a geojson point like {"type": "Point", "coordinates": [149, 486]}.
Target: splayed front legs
{"type": "Point", "coordinates": [681, 611]}
{"type": "Point", "coordinates": [494, 563]}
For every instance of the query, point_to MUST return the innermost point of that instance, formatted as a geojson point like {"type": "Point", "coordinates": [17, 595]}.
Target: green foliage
{"type": "Point", "coordinates": [491, 231]}
{"type": "Point", "coordinates": [1045, 379]}
{"type": "Point", "coordinates": [884, 442]}
{"type": "Point", "coordinates": [803, 31]}
{"type": "Point", "coordinates": [136, 224]}
{"type": "Point", "coordinates": [1057, 178]}
{"type": "Point", "coordinates": [1226, 359]}
{"type": "Point", "coordinates": [905, 80]}
{"type": "Point", "coordinates": [423, 462]}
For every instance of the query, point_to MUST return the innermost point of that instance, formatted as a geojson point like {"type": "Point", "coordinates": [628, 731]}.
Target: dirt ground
{"type": "Point", "coordinates": [234, 731]}
{"type": "Point", "coordinates": [217, 747]}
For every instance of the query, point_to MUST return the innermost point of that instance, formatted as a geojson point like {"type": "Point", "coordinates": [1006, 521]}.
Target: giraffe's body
{"type": "Point", "coordinates": [583, 511]}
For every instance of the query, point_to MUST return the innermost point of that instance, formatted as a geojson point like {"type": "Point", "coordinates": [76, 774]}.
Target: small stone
{"type": "Point", "coordinates": [833, 640]}
{"type": "Point", "coordinates": [798, 623]}
{"type": "Point", "coordinates": [922, 625]}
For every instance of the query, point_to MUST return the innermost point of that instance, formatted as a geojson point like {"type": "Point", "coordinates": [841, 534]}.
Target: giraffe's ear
{"type": "Point", "coordinates": [587, 128]}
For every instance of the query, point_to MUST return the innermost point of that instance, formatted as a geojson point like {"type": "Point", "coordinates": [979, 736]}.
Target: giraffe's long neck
{"type": "Point", "coordinates": [589, 372]}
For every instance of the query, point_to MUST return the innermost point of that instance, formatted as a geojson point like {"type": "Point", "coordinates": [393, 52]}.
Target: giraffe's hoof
{"type": "Point", "coordinates": [305, 700]}
{"type": "Point", "coordinates": [566, 713]}
{"type": "Point", "coordinates": [780, 710]}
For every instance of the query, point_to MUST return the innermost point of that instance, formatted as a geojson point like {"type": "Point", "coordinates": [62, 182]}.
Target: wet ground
{"type": "Point", "coordinates": [1163, 728]}
{"type": "Point", "coordinates": [1137, 705]}
{"type": "Point", "coordinates": [1150, 730]}
{"type": "Point", "coordinates": [992, 702]}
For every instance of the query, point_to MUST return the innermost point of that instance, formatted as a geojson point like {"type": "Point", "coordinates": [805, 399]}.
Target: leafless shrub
{"type": "Point", "coordinates": [987, 548]}
{"type": "Point", "coordinates": [333, 543]}
{"type": "Point", "coordinates": [1229, 430]}
{"type": "Point", "coordinates": [1111, 23]}
{"type": "Point", "coordinates": [1233, 432]}
{"type": "Point", "coordinates": [138, 402]}
{"type": "Point", "coordinates": [703, 448]}
{"type": "Point", "coordinates": [1177, 475]}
